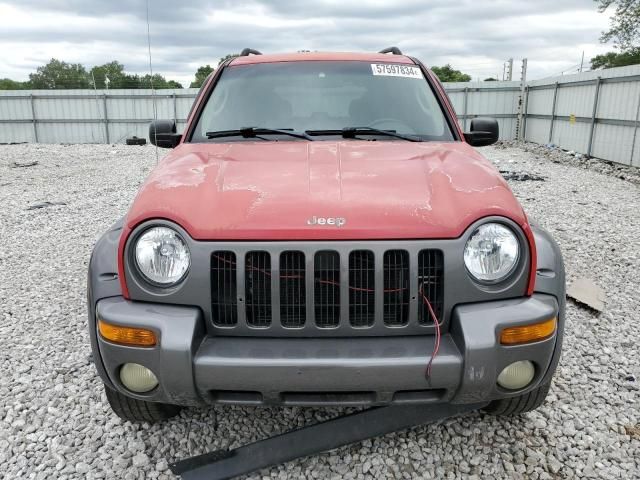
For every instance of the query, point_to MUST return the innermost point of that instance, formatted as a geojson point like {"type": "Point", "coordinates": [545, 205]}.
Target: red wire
{"type": "Point", "coordinates": [436, 324]}
{"type": "Point", "coordinates": [301, 277]}
{"type": "Point", "coordinates": [426, 301]}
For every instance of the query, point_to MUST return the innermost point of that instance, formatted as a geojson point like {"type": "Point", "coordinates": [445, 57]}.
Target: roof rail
{"type": "Point", "coordinates": [394, 50]}
{"type": "Point", "coordinates": [249, 51]}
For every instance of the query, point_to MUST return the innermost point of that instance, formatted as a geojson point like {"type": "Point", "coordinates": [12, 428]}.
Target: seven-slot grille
{"type": "Point", "coordinates": [306, 288]}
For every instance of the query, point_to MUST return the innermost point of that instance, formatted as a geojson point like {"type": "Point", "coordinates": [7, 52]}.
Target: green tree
{"type": "Point", "coordinates": [614, 59]}
{"type": "Point", "coordinates": [201, 75]}
{"type": "Point", "coordinates": [624, 28]}
{"type": "Point", "coordinates": [448, 74]}
{"type": "Point", "coordinates": [173, 84]}
{"type": "Point", "coordinates": [8, 84]}
{"type": "Point", "coordinates": [58, 74]}
{"type": "Point", "coordinates": [228, 56]}
{"type": "Point", "coordinates": [110, 75]}
{"type": "Point", "coordinates": [157, 81]}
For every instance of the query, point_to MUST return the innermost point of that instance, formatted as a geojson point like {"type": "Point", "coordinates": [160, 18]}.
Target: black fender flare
{"type": "Point", "coordinates": [550, 279]}
{"type": "Point", "coordinates": [103, 281]}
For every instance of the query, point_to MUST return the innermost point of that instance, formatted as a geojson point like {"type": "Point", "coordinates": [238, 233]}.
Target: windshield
{"type": "Point", "coordinates": [322, 98]}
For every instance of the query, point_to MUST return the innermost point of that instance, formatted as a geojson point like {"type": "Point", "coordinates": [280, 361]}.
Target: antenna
{"type": "Point", "coordinates": [153, 92]}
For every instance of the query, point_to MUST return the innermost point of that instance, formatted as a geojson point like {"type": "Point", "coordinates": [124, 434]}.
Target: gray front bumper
{"type": "Point", "coordinates": [195, 369]}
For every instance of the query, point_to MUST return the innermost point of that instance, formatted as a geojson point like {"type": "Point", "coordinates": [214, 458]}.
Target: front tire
{"type": "Point", "coordinates": [520, 404]}
{"type": "Point", "coordinates": [137, 411]}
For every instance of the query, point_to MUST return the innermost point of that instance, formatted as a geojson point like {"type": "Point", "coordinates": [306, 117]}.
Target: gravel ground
{"type": "Point", "coordinates": [55, 421]}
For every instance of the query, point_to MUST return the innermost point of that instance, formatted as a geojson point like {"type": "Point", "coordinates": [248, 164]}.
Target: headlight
{"type": "Point", "coordinates": [491, 253]}
{"type": "Point", "coordinates": [162, 256]}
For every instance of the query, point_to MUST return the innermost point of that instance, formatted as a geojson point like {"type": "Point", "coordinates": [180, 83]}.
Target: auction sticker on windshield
{"type": "Point", "coordinates": [392, 70]}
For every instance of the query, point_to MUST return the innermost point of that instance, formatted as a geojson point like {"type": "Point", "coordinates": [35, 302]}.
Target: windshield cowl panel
{"type": "Point", "coordinates": [302, 96]}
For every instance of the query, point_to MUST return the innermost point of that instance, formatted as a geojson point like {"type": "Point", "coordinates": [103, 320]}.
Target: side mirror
{"type": "Point", "coordinates": [162, 133]}
{"type": "Point", "coordinates": [484, 131]}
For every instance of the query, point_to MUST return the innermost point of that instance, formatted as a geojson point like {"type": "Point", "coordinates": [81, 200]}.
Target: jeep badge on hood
{"type": "Point", "coordinates": [337, 221]}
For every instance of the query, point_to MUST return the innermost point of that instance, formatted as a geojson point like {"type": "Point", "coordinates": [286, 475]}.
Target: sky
{"type": "Point", "coordinates": [473, 36]}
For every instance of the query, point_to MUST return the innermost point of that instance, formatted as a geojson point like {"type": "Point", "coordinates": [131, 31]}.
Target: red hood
{"type": "Point", "coordinates": [268, 191]}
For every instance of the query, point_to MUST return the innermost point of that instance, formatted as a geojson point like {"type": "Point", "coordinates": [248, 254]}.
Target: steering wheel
{"type": "Point", "coordinates": [385, 123]}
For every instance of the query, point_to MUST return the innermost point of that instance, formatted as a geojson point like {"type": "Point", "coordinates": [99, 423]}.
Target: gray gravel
{"type": "Point", "coordinates": [55, 421]}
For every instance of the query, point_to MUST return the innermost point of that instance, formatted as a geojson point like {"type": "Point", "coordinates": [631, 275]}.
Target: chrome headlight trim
{"type": "Point", "coordinates": [158, 251]}
{"type": "Point", "coordinates": [492, 253]}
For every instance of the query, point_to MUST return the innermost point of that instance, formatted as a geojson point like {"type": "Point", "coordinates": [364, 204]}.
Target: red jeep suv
{"type": "Point", "coordinates": [324, 233]}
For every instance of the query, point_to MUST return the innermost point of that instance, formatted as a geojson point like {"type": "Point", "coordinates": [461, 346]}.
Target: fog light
{"type": "Point", "coordinates": [137, 378]}
{"type": "Point", "coordinates": [517, 375]}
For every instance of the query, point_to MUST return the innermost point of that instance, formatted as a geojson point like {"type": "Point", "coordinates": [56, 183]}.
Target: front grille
{"type": "Point", "coordinates": [257, 289]}
{"type": "Point", "coordinates": [223, 288]}
{"type": "Point", "coordinates": [396, 287]}
{"type": "Point", "coordinates": [430, 289]}
{"type": "Point", "coordinates": [326, 290]}
{"type": "Point", "coordinates": [292, 291]}
{"type": "Point", "coordinates": [326, 282]}
{"type": "Point", "coordinates": [361, 288]}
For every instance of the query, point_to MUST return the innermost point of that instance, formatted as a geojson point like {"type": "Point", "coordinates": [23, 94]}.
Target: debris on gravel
{"type": "Point", "coordinates": [46, 204]}
{"type": "Point", "coordinates": [521, 176]}
{"type": "Point", "coordinates": [23, 164]}
{"type": "Point", "coordinates": [55, 422]}
{"type": "Point", "coordinates": [586, 292]}
{"type": "Point", "coordinates": [575, 159]}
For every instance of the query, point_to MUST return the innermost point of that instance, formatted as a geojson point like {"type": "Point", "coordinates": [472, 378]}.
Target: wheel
{"type": "Point", "coordinates": [138, 410]}
{"type": "Point", "coordinates": [520, 404]}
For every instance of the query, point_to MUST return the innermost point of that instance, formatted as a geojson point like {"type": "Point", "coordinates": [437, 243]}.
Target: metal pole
{"type": "Point", "coordinates": [523, 81]}
{"type": "Point", "coordinates": [106, 118]}
{"type": "Point", "coordinates": [593, 115]}
{"type": "Point", "coordinates": [635, 132]}
{"type": "Point", "coordinates": [464, 120]}
{"type": "Point", "coordinates": [526, 109]}
{"type": "Point", "coordinates": [33, 119]}
{"type": "Point", "coordinates": [175, 115]}
{"type": "Point", "coordinates": [553, 111]}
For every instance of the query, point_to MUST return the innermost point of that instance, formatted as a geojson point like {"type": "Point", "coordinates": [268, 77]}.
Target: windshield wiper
{"type": "Point", "coordinates": [255, 132]}
{"type": "Point", "coordinates": [351, 132]}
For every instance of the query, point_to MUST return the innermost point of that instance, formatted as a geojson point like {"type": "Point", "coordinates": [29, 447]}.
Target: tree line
{"type": "Point", "coordinates": [624, 31]}
{"type": "Point", "coordinates": [57, 74]}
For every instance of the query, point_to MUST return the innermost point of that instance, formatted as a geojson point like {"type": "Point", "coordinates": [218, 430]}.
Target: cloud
{"type": "Point", "coordinates": [476, 37]}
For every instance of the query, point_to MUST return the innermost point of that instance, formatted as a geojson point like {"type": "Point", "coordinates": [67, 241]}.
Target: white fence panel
{"type": "Point", "coordinates": [595, 113]}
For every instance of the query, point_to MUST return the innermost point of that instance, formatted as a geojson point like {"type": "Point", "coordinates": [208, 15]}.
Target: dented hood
{"type": "Point", "coordinates": [273, 190]}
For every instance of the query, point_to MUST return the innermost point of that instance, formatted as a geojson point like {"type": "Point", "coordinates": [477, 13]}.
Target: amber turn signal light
{"type": "Point", "coordinates": [528, 333]}
{"type": "Point", "coordinates": [131, 336]}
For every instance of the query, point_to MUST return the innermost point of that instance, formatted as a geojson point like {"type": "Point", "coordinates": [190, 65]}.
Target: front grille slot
{"type": "Point", "coordinates": [292, 289]}
{"type": "Point", "coordinates": [396, 287]}
{"type": "Point", "coordinates": [361, 288]}
{"type": "Point", "coordinates": [224, 302]}
{"type": "Point", "coordinates": [430, 284]}
{"type": "Point", "coordinates": [257, 284]}
{"type": "Point", "coordinates": [327, 289]}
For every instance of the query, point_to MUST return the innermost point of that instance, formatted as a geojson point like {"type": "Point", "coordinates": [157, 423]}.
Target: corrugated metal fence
{"type": "Point", "coordinates": [595, 113]}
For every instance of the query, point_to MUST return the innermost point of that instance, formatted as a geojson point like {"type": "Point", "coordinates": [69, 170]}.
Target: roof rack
{"type": "Point", "coordinates": [394, 50]}
{"type": "Point", "coordinates": [249, 51]}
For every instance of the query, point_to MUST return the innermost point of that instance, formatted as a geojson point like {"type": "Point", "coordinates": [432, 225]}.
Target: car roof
{"type": "Point", "coordinates": [322, 56]}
